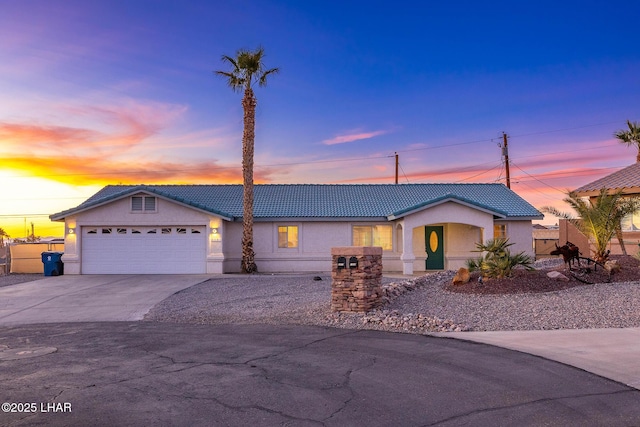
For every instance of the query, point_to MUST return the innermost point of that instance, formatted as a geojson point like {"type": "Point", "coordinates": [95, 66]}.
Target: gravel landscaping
{"type": "Point", "coordinates": [419, 305]}
{"type": "Point", "coordinates": [529, 301]}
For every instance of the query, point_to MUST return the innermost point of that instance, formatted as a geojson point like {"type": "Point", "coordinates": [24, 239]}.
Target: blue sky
{"type": "Point", "coordinates": [99, 92]}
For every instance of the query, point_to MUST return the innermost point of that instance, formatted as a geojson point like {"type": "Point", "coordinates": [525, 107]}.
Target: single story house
{"type": "Point", "coordinates": [626, 180]}
{"type": "Point", "coordinates": [169, 229]}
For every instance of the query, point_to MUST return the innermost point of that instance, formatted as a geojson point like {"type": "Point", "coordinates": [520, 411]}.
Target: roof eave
{"type": "Point", "coordinates": [523, 218]}
{"type": "Point", "coordinates": [60, 216]}
{"type": "Point", "coordinates": [320, 219]}
{"type": "Point", "coordinates": [432, 203]}
{"type": "Point", "coordinates": [592, 192]}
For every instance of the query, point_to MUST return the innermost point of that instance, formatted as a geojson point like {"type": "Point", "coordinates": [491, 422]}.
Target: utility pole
{"type": "Point", "coordinates": [505, 153]}
{"type": "Point", "coordinates": [396, 167]}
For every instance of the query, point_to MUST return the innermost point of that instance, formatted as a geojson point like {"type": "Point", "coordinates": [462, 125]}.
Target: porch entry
{"type": "Point", "coordinates": [433, 237]}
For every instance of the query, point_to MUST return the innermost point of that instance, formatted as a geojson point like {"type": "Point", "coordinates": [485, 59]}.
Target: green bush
{"type": "Point", "coordinates": [497, 261]}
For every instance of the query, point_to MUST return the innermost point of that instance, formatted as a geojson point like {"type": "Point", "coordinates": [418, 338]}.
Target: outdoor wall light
{"type": "Point", "coordinates": [72, 231]}
{"type": "Point", "coordinates": [214, 231]}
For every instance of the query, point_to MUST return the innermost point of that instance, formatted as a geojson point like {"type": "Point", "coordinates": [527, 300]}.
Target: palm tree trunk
{"type": "Point", "coordinates": [621, 240]}
{"type": "Point", "coordinates": [248, 136]}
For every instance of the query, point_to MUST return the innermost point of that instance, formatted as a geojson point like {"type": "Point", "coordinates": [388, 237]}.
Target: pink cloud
{"type": "Point", "coordinates": [341, 139]}
{"type": "Point", "coordinates": [114, 143]}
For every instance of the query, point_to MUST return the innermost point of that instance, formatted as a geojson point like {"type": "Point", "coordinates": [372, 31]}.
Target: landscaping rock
{"type": "Point", "coordinates": [461, 277]}
{"type": "Point", "coordinates": [558, 276]}
{"type": "Point", "coordinates": [612, 266]}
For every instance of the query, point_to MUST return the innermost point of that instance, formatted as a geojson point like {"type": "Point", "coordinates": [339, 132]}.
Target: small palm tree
{"type": "Point", "coordinates": [247, 69]}
{"type": "Point", "coordinates": [498, 262]}
{"type": "Point", "coordinates": [631, 136]}
{"type": "Point", "coordinates": [3, 235]}
{"type": "Point", "coordinates": [600, 219]}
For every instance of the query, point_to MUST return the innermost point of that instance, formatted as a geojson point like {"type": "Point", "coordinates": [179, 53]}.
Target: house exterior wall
{"type": "Point", "coordinates": [460, 222]}
{"type": "Point", "coordinates": [464, 226]}
{"type": "Point", "coordinates": [313, 254]}
{"type": "Point", "coordinates": [460, 244]}
{"type": "Point", "coordinates": [118, 213]}
{"type": "Point", "coordinates": [520, 233]}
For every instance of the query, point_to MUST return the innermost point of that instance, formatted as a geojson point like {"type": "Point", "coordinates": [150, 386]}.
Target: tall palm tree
{"type": "Point", "coordinates": [631, 136]}
{"type": "Point", "coordinates": [247, 69]}
{"type": "Point", "coordinates": [600, 219]}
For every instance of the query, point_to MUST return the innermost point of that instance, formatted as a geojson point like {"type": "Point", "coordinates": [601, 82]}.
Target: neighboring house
{"type": "Point", "coordinates": [545, 240]}
{"type": "Point", "coordinates": [197, 228]}
{"type": "Point", "coordinates": [627, 180]}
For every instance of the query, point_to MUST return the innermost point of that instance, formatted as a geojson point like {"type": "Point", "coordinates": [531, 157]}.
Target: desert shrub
{"type": "Point", "coordinates": [497, 260]}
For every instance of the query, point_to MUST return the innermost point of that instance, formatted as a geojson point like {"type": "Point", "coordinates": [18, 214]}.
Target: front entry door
{"type": "Point", "coordinates": [433, 237]}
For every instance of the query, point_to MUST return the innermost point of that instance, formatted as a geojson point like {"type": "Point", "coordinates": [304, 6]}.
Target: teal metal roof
{"type": "Point", "coordinates": [377, 201]}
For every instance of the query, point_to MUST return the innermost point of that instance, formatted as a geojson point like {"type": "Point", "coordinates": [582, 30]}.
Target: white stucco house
{"type": "Point", "coordinates": [170, 229]}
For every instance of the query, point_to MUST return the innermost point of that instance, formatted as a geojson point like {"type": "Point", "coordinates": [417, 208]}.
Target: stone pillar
{"type": "Point", "coordinates": [356, 288]}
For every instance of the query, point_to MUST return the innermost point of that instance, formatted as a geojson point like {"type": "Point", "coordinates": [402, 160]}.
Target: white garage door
{"type": "Point", "coordinates": [144, 250]}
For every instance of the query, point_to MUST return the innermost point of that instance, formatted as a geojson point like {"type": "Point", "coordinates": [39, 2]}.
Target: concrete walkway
{"type": "Point", "coordinates": [88, 298]}
{"type": "Point", "coordinates": [611, 353]}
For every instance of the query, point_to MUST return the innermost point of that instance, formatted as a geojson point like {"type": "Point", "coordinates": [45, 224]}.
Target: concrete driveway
{"type": "Point", "coordinates": [88, 298]}
{"type": "Point", "coordinates": [165, 374]}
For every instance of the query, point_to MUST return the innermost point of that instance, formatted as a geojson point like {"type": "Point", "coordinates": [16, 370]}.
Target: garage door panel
{"type": "Point", "coordinates": [144, 250]}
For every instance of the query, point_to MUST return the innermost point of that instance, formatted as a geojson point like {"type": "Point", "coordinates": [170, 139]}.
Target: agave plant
{"type": "Point", "coordinates": [497, 261]}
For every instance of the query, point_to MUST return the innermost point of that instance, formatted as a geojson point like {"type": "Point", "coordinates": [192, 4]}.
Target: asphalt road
{"type": "Point", "coordinates": [143, 373]}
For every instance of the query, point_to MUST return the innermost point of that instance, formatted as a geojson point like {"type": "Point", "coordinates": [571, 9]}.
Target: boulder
{"type": "Point", "coordinates": [612, 266]}
{"type": "Point", "coordinates": [461, 277]}
{"type": "Point", "coordinates": [558, 276]}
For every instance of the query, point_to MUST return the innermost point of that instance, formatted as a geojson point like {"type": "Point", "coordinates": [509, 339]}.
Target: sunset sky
{"type": "Point", "coordinates": [107, 92]}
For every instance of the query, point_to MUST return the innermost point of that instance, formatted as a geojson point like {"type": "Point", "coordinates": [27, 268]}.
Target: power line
{"type": "Point", "coordinates": [541, 182]}
{"type": "Point", "coordinates": [481, 173]}
{"type": "Point", "coordinates": [565, 129]}
{"type": "Point", "coordinates": [213, 168]}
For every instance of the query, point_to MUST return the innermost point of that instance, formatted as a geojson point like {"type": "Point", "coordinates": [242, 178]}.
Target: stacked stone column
{"type": "Point", "coordinates": [356, 289]}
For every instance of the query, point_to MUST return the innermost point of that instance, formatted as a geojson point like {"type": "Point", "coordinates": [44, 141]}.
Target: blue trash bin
{"type": "Point", "coordinates": [53, 265]}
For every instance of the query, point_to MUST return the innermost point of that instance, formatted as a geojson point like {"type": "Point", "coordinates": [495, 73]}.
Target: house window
{"type": "Point", "coordinates": [500, 231]}
{"type": "Point", "coordinates": [181, 230]}
{"type": "Point", "coordinates": [288, 236]}
{"type": "Point", "coordinates": [122, 231]}
{"type": "Point", "coordinates": [373, 235]}
{"type": "Point", "coordinates": [631, 222]}
{"type": "Point", "coordinates": [166, 231]}
{"type": "Point", "coordinates": [92, 231]}
{"type": "Point", "coordinates": [143, 204]}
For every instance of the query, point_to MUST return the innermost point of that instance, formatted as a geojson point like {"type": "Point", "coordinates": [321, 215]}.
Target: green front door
{"type": "Point", "coordinates": [433, 237]}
